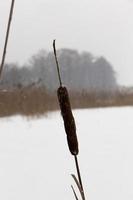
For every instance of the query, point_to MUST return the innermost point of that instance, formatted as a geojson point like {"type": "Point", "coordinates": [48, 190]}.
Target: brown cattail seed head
{"type": "Point", "coordinates": [68, 118]}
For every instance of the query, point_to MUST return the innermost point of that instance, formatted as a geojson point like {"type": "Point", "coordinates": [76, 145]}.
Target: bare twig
{"type": "Point", "coordinates": [7, 36]}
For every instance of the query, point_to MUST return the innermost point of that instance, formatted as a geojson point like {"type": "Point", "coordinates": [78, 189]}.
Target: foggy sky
{"type": "Point", "coordinates": [103, 27]}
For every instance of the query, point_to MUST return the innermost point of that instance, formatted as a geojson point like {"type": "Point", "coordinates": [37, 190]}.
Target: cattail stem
{"type": "Point", "coordinates": [7, 36]}
{"type": "Point", "coordinates": [57, 64]}
{"type": "Point", "coordinates": [79, 174]}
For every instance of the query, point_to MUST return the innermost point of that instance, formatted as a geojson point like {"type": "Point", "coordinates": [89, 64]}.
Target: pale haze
{"type": "Point", "coordinates": [102, 27]}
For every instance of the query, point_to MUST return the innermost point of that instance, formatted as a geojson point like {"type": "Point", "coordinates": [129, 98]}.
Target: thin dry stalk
{"type": "Point", "coordinates": [76, 197]}
{"type": "Point", "coordinates": [7, 37]}
{"type": "Point", "coordinates": [79, 186]}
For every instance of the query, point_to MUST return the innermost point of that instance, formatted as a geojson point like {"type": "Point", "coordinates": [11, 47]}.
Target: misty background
{"type": "Point", "coordinates": [102, 28]}
{"type": "Point", "coordinates": [79, 71]}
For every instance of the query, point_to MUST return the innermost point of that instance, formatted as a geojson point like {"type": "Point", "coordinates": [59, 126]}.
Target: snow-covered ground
{"type": "Point", "coordinates": [35, 163]}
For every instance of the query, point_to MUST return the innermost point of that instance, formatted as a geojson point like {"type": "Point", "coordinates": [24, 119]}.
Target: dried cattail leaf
{"type": "Point", "coordinates": [79, 186]}
{"type": "Point", "coordinates": [68, 118]}
{"type": "Point", "coordinates": [76, 197]}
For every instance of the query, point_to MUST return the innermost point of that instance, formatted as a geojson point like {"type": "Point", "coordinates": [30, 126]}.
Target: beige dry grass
{"type": "Point", "coordinates": [36, 101]}
{"type": "Point", "coordinates": [28, 102]}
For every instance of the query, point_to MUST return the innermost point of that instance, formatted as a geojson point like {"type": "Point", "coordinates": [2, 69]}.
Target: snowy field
{"type": "Point", "coordinates": [35, 163]}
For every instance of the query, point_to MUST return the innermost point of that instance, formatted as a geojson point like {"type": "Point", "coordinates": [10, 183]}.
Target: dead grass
{"type": "Point", "coordinates": [36, 101]}
{"type": "Point", "coordinates": [28, 102]}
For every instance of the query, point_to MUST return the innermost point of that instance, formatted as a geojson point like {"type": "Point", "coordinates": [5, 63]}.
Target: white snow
{"type": "Point", "coordinates": [35, 163]}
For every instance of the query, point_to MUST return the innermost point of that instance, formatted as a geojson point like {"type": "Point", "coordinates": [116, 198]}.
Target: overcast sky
{"type": "Point", "coordinates": [102, 27]}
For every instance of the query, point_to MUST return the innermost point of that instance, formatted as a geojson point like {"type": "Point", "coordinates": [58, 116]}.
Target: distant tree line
{"type": "Point", "coordinates": [79, 71]}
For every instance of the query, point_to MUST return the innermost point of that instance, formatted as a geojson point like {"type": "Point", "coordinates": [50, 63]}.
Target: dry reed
{"type": "Point", "coordinates": [7, 37]}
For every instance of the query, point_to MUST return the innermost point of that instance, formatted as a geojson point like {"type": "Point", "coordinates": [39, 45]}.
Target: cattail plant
{"type": "Point", "coordinates": [68, 118]}
{"type": "Point", "coordinates": [7, 36]}
{"type": "Point", "coordinates": [70, 127]}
